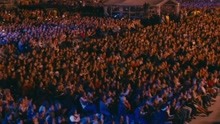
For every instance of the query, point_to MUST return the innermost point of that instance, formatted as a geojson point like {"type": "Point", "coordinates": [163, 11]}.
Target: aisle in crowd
{"type": "Point", "coordinates": [214, 118]}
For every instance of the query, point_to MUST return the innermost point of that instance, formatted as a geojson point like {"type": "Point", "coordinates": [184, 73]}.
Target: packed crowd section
{"type": "Point", "coordinates": [36, 2]}
{"type": "Point", "coordinates": [63, 68]}
{"type": "Point", "coordinates": [60, 2]}
{"type": "Point", "coordinates": [199, 3]}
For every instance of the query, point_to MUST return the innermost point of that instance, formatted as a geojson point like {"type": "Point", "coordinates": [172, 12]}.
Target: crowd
{"type": "Point", "coordinates": [58, 68]}
{"type": "Point", "coordinates": [37, 2]}
{"type": "Point", "coordinates": [60, 2]}
{"type": "Point", "coordinates": [199, 3]}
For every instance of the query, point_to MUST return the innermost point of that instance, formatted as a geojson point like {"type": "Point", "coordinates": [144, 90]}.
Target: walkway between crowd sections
{"type": "Point", "coordinates": [213, 118]}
